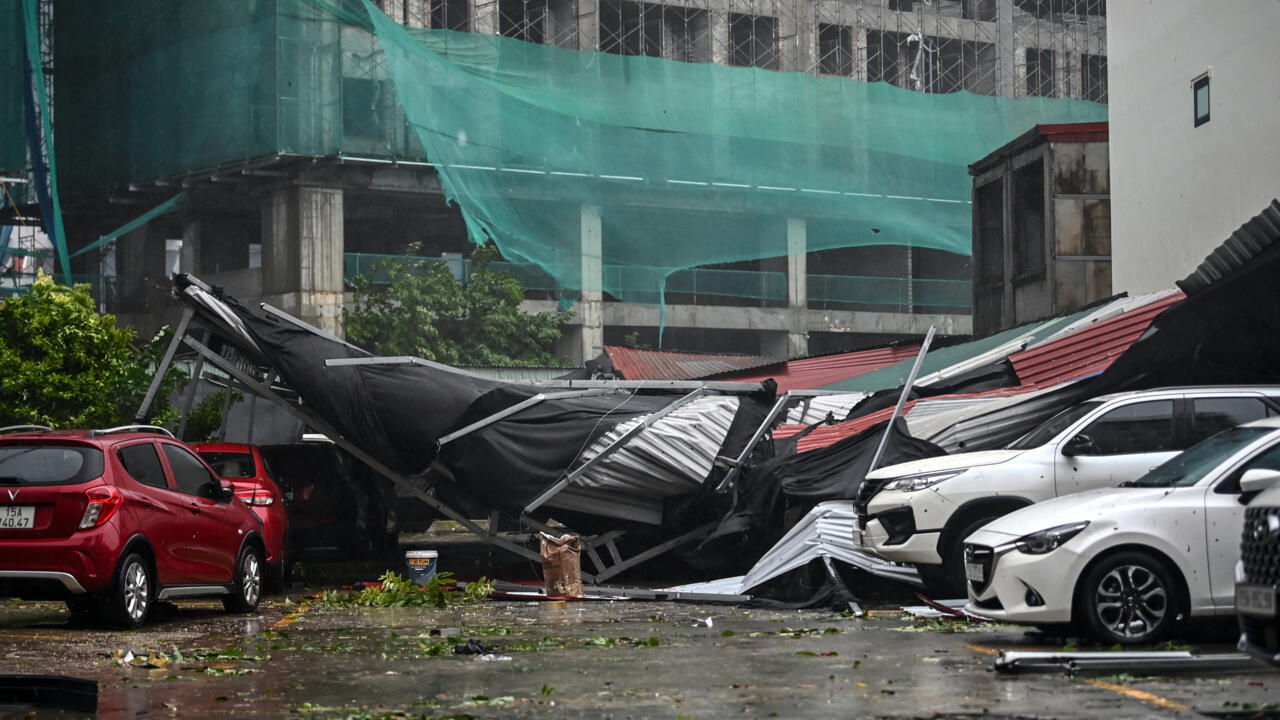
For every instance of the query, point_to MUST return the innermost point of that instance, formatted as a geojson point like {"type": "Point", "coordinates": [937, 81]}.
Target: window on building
{"type": "Point", "coordinates": [1200, 95]}
{"type": "Point", "coordinates": [888, 58]}
{"type": "Point", "coordinates": [687, 33]}
{"type": "Point", "coordinates": [988, 247]}
{"type": "Point", "coordinates": [1028, 220]}
{"type": "Point", "coordinates": [1040, 73]}
{"type": "Point", "coordinates": [631, 28]}
{"type": "Point", "coordinates": [753, 41]}
{"type": "Point", "coordinates": [835, 49]}
{"type": "Point", "coordinates": [1094, 70]}
{"type": "Point", "coordinates": [451, 15]}
{"type": "Point", "coordinates": [981, 10]}
{"type": "Point", "coordinates": [523, 19]}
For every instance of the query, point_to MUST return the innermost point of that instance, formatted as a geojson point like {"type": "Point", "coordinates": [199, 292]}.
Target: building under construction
{"type": "Point", "coordinates": [782, 177]}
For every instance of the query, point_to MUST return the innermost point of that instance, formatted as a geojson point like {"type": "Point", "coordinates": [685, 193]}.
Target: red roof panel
{"type": "Point", "coordinates": [815, 372]}
{"type": "Point", "coordinates": [661, 365]}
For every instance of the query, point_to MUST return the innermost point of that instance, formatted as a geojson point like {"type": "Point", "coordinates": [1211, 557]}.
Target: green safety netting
{"type": "Point", "coordinates": [13, 150]}
{"type": "Point", "coordinates": [684, 164]}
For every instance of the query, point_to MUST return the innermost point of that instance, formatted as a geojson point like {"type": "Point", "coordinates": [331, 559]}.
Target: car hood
{"type": "Point", "coordinates": [960, 461]}
{"type": "Point", "coordinates": [1090, 505]}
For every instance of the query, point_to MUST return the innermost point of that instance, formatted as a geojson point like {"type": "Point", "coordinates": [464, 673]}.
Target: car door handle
{"type": "Point", "coordinates": [193, 507]}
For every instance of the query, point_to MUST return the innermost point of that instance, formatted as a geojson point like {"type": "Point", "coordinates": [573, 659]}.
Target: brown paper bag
{"type": "Point", "coordinates": [562, 565]}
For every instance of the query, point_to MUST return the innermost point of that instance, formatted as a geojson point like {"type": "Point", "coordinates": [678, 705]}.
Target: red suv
{"type": "Point", "coordinates": [242, 465]}
{"type": "Point", "coordinates": [113, 520]}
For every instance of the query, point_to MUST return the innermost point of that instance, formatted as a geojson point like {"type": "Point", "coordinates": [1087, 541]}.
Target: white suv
{"type": "Point", "coordinates": [925, 509]}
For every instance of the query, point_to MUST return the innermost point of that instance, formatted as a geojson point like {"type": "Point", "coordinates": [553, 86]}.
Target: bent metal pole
{"type": "Point", "coordinates": [902, 399]}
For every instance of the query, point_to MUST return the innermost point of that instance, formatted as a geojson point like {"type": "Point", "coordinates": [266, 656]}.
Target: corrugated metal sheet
{"type": "Point", "coordinates": [810, 410]}
{"type": "Point", "coordinates": [1260, 233]}
{"type": "Point", "coordinates": [826, 531]}
{"type": "Point", "coordinates": [671, 457]}
{"type": "Point", "coordinates": [815, 372]}
{"type": "Point", "coordinates": [661, 365]}
{"type": "Point", "coordinates": [1089, 349]}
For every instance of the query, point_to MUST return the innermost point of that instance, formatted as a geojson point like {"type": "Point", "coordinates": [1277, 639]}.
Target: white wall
{"type": "Point", "coordinates": [1178, 191]}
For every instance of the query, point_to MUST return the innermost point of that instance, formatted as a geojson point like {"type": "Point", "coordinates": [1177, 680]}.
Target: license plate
{"type": "Point", "coordinates": [17, 517]}
{"type": "Point", "coordinates": [1258, 600]}
{"type": "Point", "coordinates": [857, 538]}
{"type": "Point", "coordinates": [974, 572]}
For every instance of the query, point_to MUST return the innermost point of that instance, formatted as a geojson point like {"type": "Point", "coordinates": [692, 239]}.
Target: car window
{"type": "Point", "coordinates": [1050, 428]}
{"type": "Point", "coordinates": [1268, 460]}
{"type": "Point", "coordinates": [49, 464]}
{"type": "Point", "coordinates": [230, 464]}
{"type": "Point", "coordinates": [189, 474]}
{"type": "Point", "coordinates": [143, 464]}
{"type": "Point", "coordinates": [1138, 428]}
{"type": "Point", "coordinates": [1190, 467]}
{"type": "Point", "coordinates": [1214, 415]}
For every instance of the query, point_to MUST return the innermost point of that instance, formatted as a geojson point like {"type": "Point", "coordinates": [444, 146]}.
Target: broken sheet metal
{"type": "Point", "coordinates": [825, 532]}
{"type": "Point", "coordinates": [973, 423]}
{"type": "Point", "coordinates": [809, 409]}
{"type": "Point", "coordinates": [671, 457]}
{"type": "Point", "coordinates": [1153, 662]}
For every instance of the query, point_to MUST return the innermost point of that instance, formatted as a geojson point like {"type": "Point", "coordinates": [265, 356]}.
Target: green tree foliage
{"type": "Point", "coordinates": [63, 364]}
{"type": "Point", "coordinates": [423, 310]}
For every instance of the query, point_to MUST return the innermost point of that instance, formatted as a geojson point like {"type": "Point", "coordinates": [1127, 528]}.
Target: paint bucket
{"type": "Point", "coordinates": [422, 565]}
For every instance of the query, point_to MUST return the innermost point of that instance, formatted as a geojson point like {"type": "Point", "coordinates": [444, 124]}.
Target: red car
{"type": "Point", "coordinates": [242, 465]}
{"type": "Point", "coordinates": [112, 521]}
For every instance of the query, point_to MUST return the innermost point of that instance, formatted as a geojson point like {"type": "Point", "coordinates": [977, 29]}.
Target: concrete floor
{"type": "Point", "coordinates": [599, 659]}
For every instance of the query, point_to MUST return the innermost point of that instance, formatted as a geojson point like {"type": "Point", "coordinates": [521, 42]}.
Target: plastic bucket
{"type": "Point", "coordinates": [422, 565]}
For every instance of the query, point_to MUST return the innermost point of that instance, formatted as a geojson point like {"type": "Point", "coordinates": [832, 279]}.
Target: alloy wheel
{"type": "Point", "coordinates": [136, 591]}
{"type": "Point", "coordinates": [1131, 600]}
{"type": "Point", "coordinates": [251, 579]}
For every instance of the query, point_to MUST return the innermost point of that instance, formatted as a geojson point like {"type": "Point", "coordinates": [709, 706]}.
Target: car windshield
{"type": "Point", "coordinates": [1198, 460]}
{"type": "Point", "coordinates": [1052, 427]}
{"type": "Point", "coordinates": [48, 464]}
{"type": "Point", "coordinates": [230, 465]}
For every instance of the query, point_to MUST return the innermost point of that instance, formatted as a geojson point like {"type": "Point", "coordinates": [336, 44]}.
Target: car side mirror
{"type": "Point", "coordinates": [1259, 479]}
{"type": "Point", "coordinates": [1079, 445]}
{"type": "Point", "coordinates": [223, 491]}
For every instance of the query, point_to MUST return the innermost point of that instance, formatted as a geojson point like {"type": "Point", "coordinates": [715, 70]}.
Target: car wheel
{"type": "Point", "coordinates": [1129, 598]}
{"type": "Point", "coordinates": [246, 590]}
{"type": "Point", "coordinates": [129, 600]}
{"type": "Point", "coordinates": [948, 581]}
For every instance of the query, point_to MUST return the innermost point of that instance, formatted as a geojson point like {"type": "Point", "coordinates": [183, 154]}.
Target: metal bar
{"type": "Point", "coordinates": [613, 447]}
{"type": "Point", "coordinates": [657, 550]}
{"type": "Point", "coordinates": [506, 412]}
{"type": "Point", "coordinates": [1154, 661]}
{"type": "Point", "coordinates": [306, 326]}
{"type": "Point", "coordinates": [165, 362]}
{"type": "Point", "coordinates": [328, 430]}
{"type": "Point", "coordinates": [402, 360]}
{"type": "Point", "coordinates": [902, 399]}
{"type": "Point", "coordinates": [727, 482]}
{"type": "Point", "coordinates": [725, 386]}
{"type": "Point", "coordinates": [190, 397]}
{"type": "Point", "coordinates": [226, 410]}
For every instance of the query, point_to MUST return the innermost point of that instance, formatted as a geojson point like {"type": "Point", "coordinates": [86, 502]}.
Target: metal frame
{"type": "Point", "coordinates": [606, 567]}
{"type": "Point", "coordinates": [522, 405]}
{"type": "Point", "coordinates": [902, 399]}
{"type": "Point", "coordinates": [727, 482]}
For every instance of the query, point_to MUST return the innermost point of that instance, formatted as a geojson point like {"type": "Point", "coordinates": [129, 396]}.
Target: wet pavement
{"type": "Point", "coordinates": [595, 659]}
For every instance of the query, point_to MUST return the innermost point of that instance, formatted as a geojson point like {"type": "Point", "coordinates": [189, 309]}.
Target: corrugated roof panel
{"type": "Point", "coordinates": [637, 364]}
{"type": "Point", "coordinates": [1259, 233]}
{"type": "Point", "coordinates": [1090, 349]}
{"type": "Point", "coordinates": [815, 372]}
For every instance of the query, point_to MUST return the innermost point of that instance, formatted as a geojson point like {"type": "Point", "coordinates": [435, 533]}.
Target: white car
{"type": "Point", "coordinates": [1127, 564]}
{"type": "Point", "coordinates": [924, 509]}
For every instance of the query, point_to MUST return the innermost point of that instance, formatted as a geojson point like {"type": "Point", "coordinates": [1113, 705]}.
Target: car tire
{"type": "Point", "coordinates": [246, 589]}
{"type": "Point", "coordinates": [949, 578]}
{"type": "Point", "coordinates": [1128, 598]}
{"type": "Point", "coordinates": [129, 600]}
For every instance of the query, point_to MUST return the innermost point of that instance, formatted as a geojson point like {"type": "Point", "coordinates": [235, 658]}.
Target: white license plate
{"type": "Point", "coordinates": [857, 538]}
{"type": "Point", "coordinates": [1259, 600]}
{"type": "Point", "coordinates": [17, 517]}
{"type": "Point", "coordinates": [973, 572]}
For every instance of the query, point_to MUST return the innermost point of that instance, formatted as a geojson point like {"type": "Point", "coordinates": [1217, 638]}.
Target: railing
{"type": "Point", "coordinates": [642, 282]}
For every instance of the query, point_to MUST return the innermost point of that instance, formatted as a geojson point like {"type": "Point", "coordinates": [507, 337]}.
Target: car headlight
{"type": "Point", "coordinates": [911, 483]}
{"type": "Point", "coordinates": [1039, 543]}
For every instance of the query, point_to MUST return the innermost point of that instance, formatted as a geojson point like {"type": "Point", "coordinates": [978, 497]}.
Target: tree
{"type": "Point", "coordinates": [424, 310]}
{"type": "Point", "coordinates": [63, 364]}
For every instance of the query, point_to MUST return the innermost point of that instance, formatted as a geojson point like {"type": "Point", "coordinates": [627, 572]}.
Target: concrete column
{"type": "Point", "coordinates": [860, 59]}
{"type": "Point", "coordinates": [418, 13]}
{"type": "Point", "coordinates": [719, 33]}
{"type": "Point", "coordinates": [484, 17]}
{"type": "Point", "coordinates": [1005, 51]}
{"type": "Point", "coordinates": [394, 10]}
{"type": "Point", "coordinates": [588, 21]}
{"type": "Point", "coordinates": [797, 286]}
{"type": "Point", "coordinates": [592, 304]}
{"type": "Point", "coordinates": [302, 247]}
{"type": "Point", "coordinates": [798, 46]}
{"type": "Point", "coordinates": [192, 236]}
{"type": "Point", "coordinates": [140, 254]}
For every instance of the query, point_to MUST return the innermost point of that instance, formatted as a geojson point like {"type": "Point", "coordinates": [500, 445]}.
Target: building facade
{"type": "Point", "coordinates": [284, 202]}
